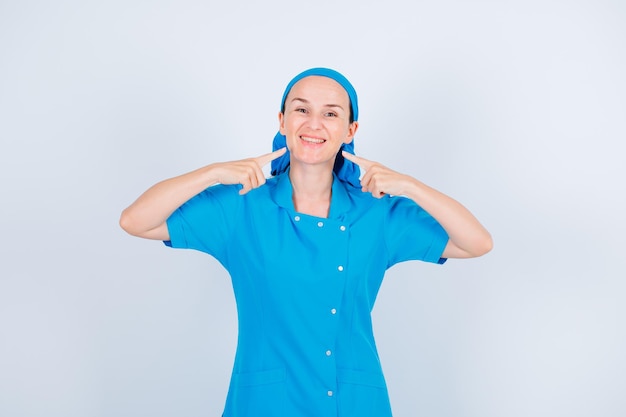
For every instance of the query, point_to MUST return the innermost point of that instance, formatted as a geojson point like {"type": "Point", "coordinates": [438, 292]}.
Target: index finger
{"type": "Point", "coordinates": [362, 162]}
{"type": "Point", "coordinates": [269, 157]}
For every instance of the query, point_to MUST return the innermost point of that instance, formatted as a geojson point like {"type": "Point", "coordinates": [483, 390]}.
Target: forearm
{"type": "Point", "coordinates": [151, 210]}
{"type": "Point", "coordinates": [147, 216]}
{"type": "Point", "coordinates": [467, 237]}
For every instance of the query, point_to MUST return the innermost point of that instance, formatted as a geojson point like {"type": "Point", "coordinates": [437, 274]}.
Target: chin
{"type": "Point", "coordinates": [314, 163]}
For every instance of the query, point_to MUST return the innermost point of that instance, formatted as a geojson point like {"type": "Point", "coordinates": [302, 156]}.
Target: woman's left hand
{"type": "Point", "coordinates": [378, 179]}
{"type": "Point", "coordinates": [467, 237]}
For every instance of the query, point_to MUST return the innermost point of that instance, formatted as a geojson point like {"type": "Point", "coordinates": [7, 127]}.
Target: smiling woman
{"type": "Point", "coordinates": [316, 121]}
{"type": "Point", "coordinates": [307, 250]}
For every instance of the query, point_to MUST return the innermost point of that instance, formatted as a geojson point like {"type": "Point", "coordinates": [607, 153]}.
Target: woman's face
{"type": "Point", "coordinates": [316, 121]}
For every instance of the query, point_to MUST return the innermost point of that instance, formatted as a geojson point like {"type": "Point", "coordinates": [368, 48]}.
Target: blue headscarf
{"type": "Point", "coordinates": [344, 169]}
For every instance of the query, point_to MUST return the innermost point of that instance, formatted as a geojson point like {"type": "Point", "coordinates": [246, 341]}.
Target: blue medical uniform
{"type": "Point", "coordinates": [305, 287]}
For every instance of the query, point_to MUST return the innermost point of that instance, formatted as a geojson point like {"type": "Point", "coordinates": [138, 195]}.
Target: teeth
{"type": "Point", "coordinates": [312, 140]}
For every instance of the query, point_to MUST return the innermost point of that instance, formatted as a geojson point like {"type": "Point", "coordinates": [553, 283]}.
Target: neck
{"type": "Point", "coordinates": [312, 187]}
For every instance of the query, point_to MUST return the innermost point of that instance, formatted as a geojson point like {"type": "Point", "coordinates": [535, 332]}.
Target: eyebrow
{"type": "Point", "coordinates": [307, 102]}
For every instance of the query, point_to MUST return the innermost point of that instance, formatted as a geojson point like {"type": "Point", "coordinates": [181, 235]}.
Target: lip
{"type": "Point", "coordinates": [312, 140]}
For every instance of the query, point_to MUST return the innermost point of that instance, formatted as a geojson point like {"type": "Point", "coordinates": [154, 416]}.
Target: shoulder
{"type": "Point", "coordinates": [271, 182]}
{"type": "Point", "coordinates": [220, 192]}
{"type": "Point", "coordinates": [359, 198]}
{"type": "Point", "coordinates": [228, 194]}
{"type": "Point", "coordinates": [387, 208]}
{"type": "Point", "coordinates": [219, 195]}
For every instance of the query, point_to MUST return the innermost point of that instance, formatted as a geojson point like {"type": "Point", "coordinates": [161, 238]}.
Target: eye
{"type": "Point", "coordinates": [331, 114]}
{"type": "Point", "coordinates": [300, 110]}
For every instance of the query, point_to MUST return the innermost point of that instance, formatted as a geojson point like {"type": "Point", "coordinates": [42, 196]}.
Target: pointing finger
{"type": "Point", "coordinates": [269, 157]}
{"type": "Point", "coordinates": [362, 162]}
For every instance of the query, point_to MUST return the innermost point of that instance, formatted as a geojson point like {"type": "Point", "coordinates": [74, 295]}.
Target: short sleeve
{"type": "Point", "coordinates": [413, 234]}
{"type": "Point", "coordinates": [206, 221]}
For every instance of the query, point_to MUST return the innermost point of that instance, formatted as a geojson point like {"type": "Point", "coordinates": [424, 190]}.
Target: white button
{"type": "Point", "coordinates": [297, 218]}
{"type": "Point", "coordinates": [330, 393]}
{"type": "Point", "coordinates": [340, 268]}
{"type": "Point", "coordinates": [328, 353]}
{"type": "Point", "coordinates": [333, 311]}
{"type": "Point", "coordinates": [342, 228]}
{"type": "Point", "coordinates": [320, 224]}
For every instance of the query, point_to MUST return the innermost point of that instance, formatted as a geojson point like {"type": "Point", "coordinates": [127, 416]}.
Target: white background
{"type": "Point", "coordinates": [515, 108]}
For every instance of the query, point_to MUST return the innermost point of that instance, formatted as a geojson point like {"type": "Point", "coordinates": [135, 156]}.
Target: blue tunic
{"type": "Point", "coordinates": [305, 287]}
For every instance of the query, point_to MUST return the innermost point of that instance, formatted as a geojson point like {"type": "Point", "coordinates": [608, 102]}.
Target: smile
{"type": "Point", "coordinates": [312, 140]}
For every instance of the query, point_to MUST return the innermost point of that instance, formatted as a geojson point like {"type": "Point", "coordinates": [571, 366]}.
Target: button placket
{"type": "Point", "coordinates": [334, 234]}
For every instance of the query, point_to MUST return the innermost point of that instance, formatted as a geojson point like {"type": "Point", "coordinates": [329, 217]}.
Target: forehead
{"type": "Point", "coordinates": [319, 87]}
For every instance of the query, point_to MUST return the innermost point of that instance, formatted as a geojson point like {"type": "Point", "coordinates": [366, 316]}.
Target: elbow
{"type": "Point", "coordinates": [477, 246]}
{"type": "Point", "coordinates": [488, 244]}
{"type": "Point", "coordinates": [133, 223]}
{"type": "Point", "coordinates": [484, 246]}
{"type": "Point", "coordinates": [127, 224]}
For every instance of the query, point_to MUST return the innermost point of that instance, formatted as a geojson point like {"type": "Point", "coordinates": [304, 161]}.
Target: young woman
{"type": "Point", "coordinates": [307, 250]}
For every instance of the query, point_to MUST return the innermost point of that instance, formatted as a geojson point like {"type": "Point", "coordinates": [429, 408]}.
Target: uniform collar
{"type": "Point", "coordinates": [339, 201]}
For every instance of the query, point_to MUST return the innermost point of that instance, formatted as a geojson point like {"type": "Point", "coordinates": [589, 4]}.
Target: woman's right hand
{"type": "Point", "coordinates": [147, 216]}
{"type": "Point", "coordinates": [247, 172]}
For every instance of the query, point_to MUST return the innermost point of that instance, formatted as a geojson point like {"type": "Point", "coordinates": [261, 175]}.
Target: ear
{"type": "Point", "coordinates": [354, 126]}
{"type": "Point", "coordinates": [281, 123]}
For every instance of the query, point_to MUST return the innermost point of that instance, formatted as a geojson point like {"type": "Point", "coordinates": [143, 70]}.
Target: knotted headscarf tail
{"type": "Point", "coordinates": [344, 169]}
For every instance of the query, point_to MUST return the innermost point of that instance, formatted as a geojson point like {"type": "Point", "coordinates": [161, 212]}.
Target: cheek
{"type": "Point", "coordinates": [343, 132]}
{"type": "Point", "coordinates": [289, 129]}
{"type": "Point", "coordinates": [290, 124]}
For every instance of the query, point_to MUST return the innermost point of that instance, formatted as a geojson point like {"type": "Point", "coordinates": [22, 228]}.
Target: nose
{"type": "Point", "coordinates": [315, 121]}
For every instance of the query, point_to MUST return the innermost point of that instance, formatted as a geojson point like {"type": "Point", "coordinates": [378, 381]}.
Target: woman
{"type": "Point", "coordinates": [307, 250]}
